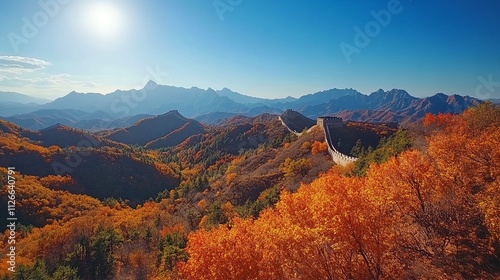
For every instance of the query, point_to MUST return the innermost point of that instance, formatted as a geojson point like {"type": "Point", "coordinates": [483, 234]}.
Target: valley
{"type": "Point", "coordinates": [166, 181]}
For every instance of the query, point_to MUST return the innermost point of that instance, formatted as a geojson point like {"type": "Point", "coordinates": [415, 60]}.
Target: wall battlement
{"type": "Point", "coordinates": [330, 121]}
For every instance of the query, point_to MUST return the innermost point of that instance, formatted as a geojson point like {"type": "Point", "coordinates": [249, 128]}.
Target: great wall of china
{"type": "Point", "coordinates": [287, 127]}
{"type": "Point", "coordinates": [327, 124]}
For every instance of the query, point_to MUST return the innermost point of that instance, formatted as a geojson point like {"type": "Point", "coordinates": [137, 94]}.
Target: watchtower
{"type": "Point", "coordinates": [330, 122]}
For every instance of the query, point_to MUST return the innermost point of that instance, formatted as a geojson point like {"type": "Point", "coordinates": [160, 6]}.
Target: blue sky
{"type": "Point", "coordinates": [256, 47]}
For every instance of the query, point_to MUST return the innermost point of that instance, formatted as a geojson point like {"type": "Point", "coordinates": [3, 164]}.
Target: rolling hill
{"type": "Point", "coordinates": [164, 130]}
{"type": "Point", "coordinates": [98, 120]}
{"type": "Point", "coordinates": [97, 167]}
{"type": "Point", "coordinates": [295, 121]}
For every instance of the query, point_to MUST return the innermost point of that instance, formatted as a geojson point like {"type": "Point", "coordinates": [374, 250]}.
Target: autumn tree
{"type": "Point", "coordinates": [421, 215]}
{"type": "Point", "coordinates": [319, 147]}
{"type": "Point", "coordinates": [295, 167]}
{"type": "Point", "coordinates": [171, 250]}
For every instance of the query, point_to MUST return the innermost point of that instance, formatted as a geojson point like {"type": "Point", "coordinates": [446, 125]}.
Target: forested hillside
{"type": "Point", "coordinates": [429, 214]}
{"type": "Point", "coordinates": [247, 199]}
{"type": "Point", "coordinates": [96, 167]}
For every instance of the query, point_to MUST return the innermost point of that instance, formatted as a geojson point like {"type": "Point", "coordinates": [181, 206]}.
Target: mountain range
{"type": "Point", "coordinates": [120, 109]}
{"type": "Point", "coordinates": [15, 103]}
{"type": "Point", "coordinates": [18, 98]}
{"type": "Point", "coordinates": [113, 163]}
{"type": "Point", "coordinates": [104, 163]}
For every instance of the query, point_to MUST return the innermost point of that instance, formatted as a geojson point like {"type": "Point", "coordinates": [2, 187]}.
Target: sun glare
{"type": "Point", "coordinates": [104, 19]}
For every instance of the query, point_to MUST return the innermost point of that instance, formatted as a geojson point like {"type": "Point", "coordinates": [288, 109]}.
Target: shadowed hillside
{"type": "Point", "coordinates": [105, 169]}
{"type": "Point", "coordinates": [296, 122]}
{"type": "Point", "coordinates": [362, 134]}
{"type": "Point", "coordinates": [63, 136]}
{"type": "Point", "coordinates": [177, 136]}
{"type": "Point", "coordinates": [228, 139]}
{"type": "Point", "coordinates": [161, 131]}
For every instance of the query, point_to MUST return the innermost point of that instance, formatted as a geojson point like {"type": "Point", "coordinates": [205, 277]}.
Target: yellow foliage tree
{"type": "Point", "coordinates": [421, 215]}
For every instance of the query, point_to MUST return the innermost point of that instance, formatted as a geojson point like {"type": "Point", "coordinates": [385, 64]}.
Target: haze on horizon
{"type": "Point", "coordinates": [49, 48]}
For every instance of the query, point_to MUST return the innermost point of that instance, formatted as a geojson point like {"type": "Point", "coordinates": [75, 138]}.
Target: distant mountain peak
{"type": "Point", "coordinates": [151, 84]}
{"type": "Point", "coordinates": [400, 93]}
{"type": "Point", "coordinates": [441, 95]}
{"type": "Point", "coordinates": [211, 90]}
{"type": "Point", "coordinates": [57, 126]}
{"type": "Point", "coordinates": [80, 94]}
{"type": "Point", "coordinates": [391, 94]}
{"type": "Point", "coordinates": [174, 113]}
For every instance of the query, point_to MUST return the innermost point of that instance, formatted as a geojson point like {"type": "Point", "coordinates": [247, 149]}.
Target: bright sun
{"type": "Point", "coordinates": [104, 19]}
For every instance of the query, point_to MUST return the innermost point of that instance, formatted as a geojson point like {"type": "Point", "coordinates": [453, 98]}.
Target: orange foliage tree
{"type": "Point", "coordinates": [429, 214]}
{"type": "Point", "coordinates": [319, 147]}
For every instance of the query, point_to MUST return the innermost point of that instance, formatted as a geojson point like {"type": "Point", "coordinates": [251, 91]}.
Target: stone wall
{"type": "Point", "coordinates": [329, 123]}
